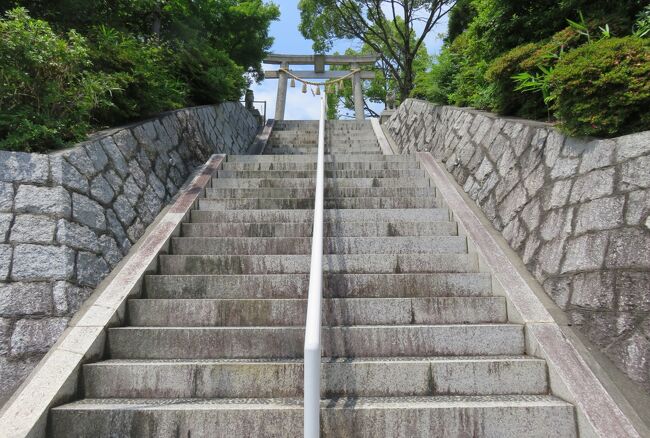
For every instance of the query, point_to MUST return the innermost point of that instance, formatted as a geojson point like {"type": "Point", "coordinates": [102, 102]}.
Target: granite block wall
{"type": "Point", "coordinates": [67, 218]}
{"type": "Point", "coordinates": [575, 210]}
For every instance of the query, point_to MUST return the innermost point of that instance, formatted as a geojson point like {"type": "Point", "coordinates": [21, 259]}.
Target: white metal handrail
{"type": "Point", "coordinates": [315, 295]}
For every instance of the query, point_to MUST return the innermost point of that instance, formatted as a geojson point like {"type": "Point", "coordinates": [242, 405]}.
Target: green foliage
{"type": "Point", "coordinates": [47, 93]}
{"type": "Point", "coordinates": [144, 71]}
{"type": "Point", "coordinates": [503, 55]}
{"type": "Point", "coordinates": [211, 75]}
{"type": "Point", "coordinates": [395, 33]}
{"type": "Point", "coordinates": [460, 18]}
{"type": "Point", "coordinates": [528, 63]}
{"type": "Point", "coordinates": [506, 100]}
{"type": "Point", "coordinates": [602, 89]}
{"type": "Point", "coordinates": [384, 82]}
{"type": "Point", "coordinates": [91, 63]}
{"type": "Point", "coordinates": [238, 27]}
{"type": "Point", "coordinates": [437, 83]}
{"type": "Point", "coordinates": [642, 25]}
{"type": "Point", "coordinates": [469, 86]}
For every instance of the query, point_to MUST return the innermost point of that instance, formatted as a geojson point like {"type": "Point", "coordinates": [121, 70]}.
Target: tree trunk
{"type": "Point", "coordinates": [157, 20]}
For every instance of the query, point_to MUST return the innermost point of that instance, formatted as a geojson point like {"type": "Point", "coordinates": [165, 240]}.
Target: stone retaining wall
{"type": "Point", "coordinates": [575, 210]}
{"type": "Point", "coordinates": [67, 218]}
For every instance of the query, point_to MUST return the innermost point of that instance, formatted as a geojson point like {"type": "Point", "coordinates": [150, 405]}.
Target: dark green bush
{"type": "Point", "coordinates": [211, 75]}
{"type": "Point", "coordinates": [506, 100]}
{"type": "Point", "coordinates": [46, 93]}
{"type": "Point", "coordinates": [145, 73]}
{"type": "Point", "coordinates": [526, 58]}
{"type": "Point", "coordinates": [602, 88]}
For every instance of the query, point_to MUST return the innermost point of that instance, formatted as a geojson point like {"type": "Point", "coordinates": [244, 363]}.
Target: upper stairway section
{"type": "Point", "coordinates": [295, 137]}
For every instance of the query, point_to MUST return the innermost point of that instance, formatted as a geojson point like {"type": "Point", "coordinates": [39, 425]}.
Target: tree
{"type": "Point", "coordinates": [394, 29]}
{"type": "Point", "coordinates": [383, 84]}
{"type": "Point", "coordinates": [240, 28]}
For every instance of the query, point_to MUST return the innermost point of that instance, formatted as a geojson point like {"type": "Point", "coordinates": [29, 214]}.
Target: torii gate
{"type": "Point", "coordinates": [319, 62]}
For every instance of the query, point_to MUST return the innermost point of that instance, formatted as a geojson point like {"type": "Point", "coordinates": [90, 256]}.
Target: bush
{"type": "Point", "coordinates": [468, 86]}
{"type": "Point", "coordinates": [211, 75]}
{"type": "Point", "coordinates": [144, 71]}
{"type": "Point", "coordinates": [526, 58]}
{"type": "Point", "coordinates": [46, 94]}
{"type": "Point", "coordinates": [436, 84]}
{"type": "Point", "coordinates": [602, 89]}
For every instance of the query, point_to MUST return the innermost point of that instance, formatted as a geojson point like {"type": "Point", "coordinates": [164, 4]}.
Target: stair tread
{"type": "Point", "coordinates": [441, 401]}
{"type": "Point", "coordinates": [215, 343]}
{"type": "Point", "coordinates": [324, 360]}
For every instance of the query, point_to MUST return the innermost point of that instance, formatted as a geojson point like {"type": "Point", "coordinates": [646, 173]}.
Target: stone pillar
{"type": "Point", "coordinates": [358, 94]}
{"type": "Point", "coordinates": [281, 100]}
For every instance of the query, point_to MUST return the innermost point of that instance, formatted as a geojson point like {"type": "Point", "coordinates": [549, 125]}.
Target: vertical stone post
{"type": "Point", "coordinates": [281, 100]}
{"type": "Point", "coordinates": [358, 94]}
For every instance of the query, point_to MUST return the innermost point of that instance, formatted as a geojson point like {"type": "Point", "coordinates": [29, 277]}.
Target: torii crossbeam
{"type": "Point", "coordinates": [319, 62]}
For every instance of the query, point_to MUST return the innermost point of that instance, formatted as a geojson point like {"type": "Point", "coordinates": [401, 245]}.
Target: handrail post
{"type": "Point", "coordinates": [315, 295]}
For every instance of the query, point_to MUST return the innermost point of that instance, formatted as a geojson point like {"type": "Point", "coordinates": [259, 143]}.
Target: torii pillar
{"type": "Point", "coordinates": [358, 94]}
{"type": "Point", "coordinates": [281, 100]}
{"type": "Point", "coordinates": [319, 62]}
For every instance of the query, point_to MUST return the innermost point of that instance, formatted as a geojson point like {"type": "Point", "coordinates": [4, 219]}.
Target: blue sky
{"type": "Point", "coordinates": [289, 40]}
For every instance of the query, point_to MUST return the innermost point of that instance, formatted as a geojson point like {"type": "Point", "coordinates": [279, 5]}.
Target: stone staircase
{"type": "Point", "coordinates": [414, 342]}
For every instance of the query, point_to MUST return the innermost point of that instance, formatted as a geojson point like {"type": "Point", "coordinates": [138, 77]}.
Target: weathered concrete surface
{"type": "Point", "coordinates": [68, 218]}
{"type": "Point", "coordinates": [443, 417]}
{"type": "Point", "coordinates": [413, 334]}
{"type": "Point", "coordinates": [576, 211]}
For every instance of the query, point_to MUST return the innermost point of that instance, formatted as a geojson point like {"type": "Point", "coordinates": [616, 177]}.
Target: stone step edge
{"type": "Point", "coordinates": [443, 401]}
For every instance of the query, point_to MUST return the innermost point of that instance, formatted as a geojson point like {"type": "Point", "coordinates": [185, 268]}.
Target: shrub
{"type": "Point", "coordinates": [506, 100]}
{"type": "Point", "coordinates": [46, 96]}
{"type": "Point", "coordinates": [436, 84]}
{"type": "Point", "coordinates": [144, 71]}
{"type": "Point", "coordinates": [468, 86]}
{"type": "Point", "coordinates": [211, 75]}
{"type": "Point", "coordinates": [527, 58]}
{"type": "Point", "coordinates": [602, 89]}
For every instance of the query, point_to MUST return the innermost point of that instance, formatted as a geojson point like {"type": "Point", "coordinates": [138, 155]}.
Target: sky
{"type": "Point", "coordinates": [288, 40]}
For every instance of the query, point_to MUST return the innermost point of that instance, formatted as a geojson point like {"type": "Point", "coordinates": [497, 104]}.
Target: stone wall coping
{"type": "Point", "coordinates": [262, 138]}
{"type": "Point", "coordinates": [55, 380]}
{"type": "Point", "coordinates": [570, 376]}
{"type": "Point", "coordinates": [383, 141]}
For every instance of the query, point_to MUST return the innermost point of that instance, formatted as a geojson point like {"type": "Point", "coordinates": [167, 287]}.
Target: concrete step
{"type": "Point", "coordinates": [251, 183]}
{"type": "Point", "coordinates": [339, 341]}
{"type": "Point", "coordinates": [365, 131]}
{"type": "Point", "coordinates": [330, 192]}
{"type": "Point", "coordinates": [307, 215]}
{"type": "Point", "coordinates": [340, 145]}
{"type": "Point", "coordinates": [344, 138]}
{"type": "Point", "coordinates": [297, 151]}
{"type": "Point", "coordinates": [331, 245]}
{"type": "Point", "coordinates": [368, 417]}
{"type": "Point", "coordinates": [358, 173]}
{"type": "Point", "coordinates": [338, 229]}
{"type": "Point", "coordinates": [364, 377]}
{"type": "Point", "coordinates": [312, 158]}
{"type": "Point", "coordinates": [308, 203]}
{"type": "Point", "coordinates": [335, 263]}
{"type": "Point", "coordinates": [442, 284]}
{"type": "Point", "coordinates": [341, 139]}
{"type": "Point", "coordinates": [311, 166]}
{"type": "Point", "coordinates": [337, 311]}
